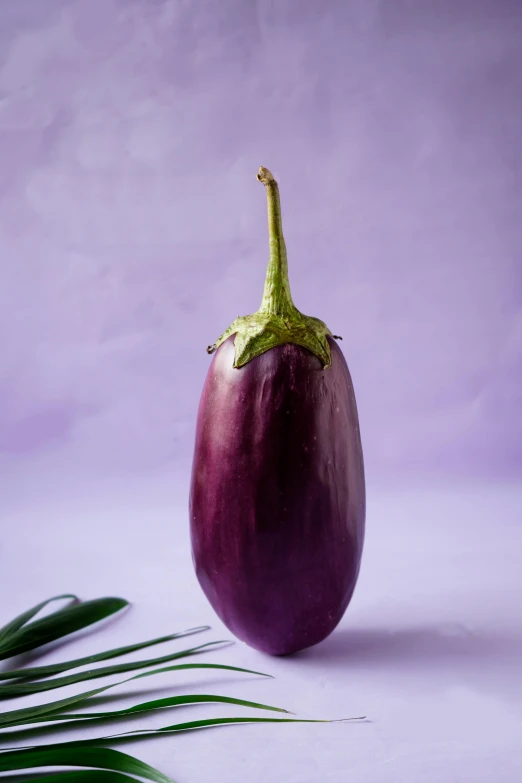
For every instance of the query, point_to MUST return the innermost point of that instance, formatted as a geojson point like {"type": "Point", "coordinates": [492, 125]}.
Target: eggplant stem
{"type": "Point", "coordinates": [278, 321]}
{"type": "Point", "coordinates": [277, 298]}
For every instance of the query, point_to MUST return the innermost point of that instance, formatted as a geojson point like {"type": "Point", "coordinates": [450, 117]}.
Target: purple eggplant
{"type": "Point", "coordinates": [277, 496]}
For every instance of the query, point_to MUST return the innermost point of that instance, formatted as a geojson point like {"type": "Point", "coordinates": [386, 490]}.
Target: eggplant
{"type": "Point", "coordinates": [277, 491]}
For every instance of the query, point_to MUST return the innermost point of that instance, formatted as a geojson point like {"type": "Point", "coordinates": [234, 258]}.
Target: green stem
{"type": "Point", "coordinates": [277, 299]}
{"type": "Point", "coordinates": [278, 321]}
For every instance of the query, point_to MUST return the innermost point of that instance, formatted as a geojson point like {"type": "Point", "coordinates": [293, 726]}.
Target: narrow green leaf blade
{"type": "Point", "coordinates": [40, 713]}
{"type": "Point", "coordinates": [177, 727]}
{"type": "Point", "coordinates": [86, 776]}
{"type": "Point", "coordinates": [157, 704]}
{"type": "Point", "coordinates": [182, 666]}
{"type": "Point", "coordinates": [54, 710]}
{"type": "Point", "coordinates": [40, 672]}
{"type": "Point", "coordinates": [199, 698]}
{"type": "Point", "coordinates": [179, 701]}
{"type": "Point", "coordinates": [14, 690]}
{"type": "Point", "coordinates": [15, 624]}
{"type": "Point", "coordinates": [78, 756]}
{"type": "Point", "coordinates": [210, 722]}
{"type": "Point", "coordinates": [59, 624]}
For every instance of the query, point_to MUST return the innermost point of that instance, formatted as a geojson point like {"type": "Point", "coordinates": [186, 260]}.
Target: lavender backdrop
{"type": "Point", "coordinates": [132, 229]}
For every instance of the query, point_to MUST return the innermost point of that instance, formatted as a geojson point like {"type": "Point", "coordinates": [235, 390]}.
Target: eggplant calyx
{"type": "Point", "coordinates": [259, 332]}
{"type": "Point", "coordinates": [278, 321]}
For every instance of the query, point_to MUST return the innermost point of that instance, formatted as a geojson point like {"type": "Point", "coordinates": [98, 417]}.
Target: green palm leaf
{"type": "Point", "coordinates": [86, 776]}
{"type": "Point", "coordinates": [205, 724]}
{"type": "Point", "coordinates": [61, 755]}
{"type": "Point", "coordinates": [14, 690]}
{"type": "Point", "coordinates": [40, 672]}
{"type": "Point", "coordinates": [15, 624]}
{"type": "Point", "coordinates": [173, 729]}
{"type": "Point", "coordinates": [98, 764]}
{"type": "Point", "coordinates": [54, 710]}
{"type": "Point", "coordinates": [173, 701]}
{"type": "Point", "coordinates": [56, 625]}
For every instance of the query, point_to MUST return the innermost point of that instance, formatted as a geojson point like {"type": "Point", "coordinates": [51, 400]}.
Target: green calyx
{"type": "Point", "coordinates": [278, 320]}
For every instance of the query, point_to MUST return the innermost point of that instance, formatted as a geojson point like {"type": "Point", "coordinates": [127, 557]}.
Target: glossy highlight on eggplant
{"type": "Point", "coordinates": [277, 496]}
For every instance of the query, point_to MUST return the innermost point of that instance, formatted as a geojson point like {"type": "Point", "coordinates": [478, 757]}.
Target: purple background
{"type": "Point", "coordinates": [133, 231]}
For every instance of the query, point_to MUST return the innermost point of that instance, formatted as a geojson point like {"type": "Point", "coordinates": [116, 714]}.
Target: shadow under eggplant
{"type": "Point", "coordinates": [416, 647]}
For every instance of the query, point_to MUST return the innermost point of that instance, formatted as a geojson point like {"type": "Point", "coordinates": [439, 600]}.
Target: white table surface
{"type": "Point", "coordinates": [430, 649]}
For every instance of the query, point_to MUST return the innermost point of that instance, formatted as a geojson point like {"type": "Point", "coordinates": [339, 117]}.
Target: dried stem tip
{"type": "Point", "coordinates": [265, 176]}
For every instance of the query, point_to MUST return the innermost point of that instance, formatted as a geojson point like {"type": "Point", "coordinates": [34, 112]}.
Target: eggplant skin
{"type": "Point", "coordinates": [277, 496]}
